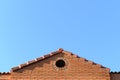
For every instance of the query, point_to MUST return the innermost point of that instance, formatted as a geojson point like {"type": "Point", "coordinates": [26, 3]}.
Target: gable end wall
{"type": "Point", "coordinates": [76, 69]}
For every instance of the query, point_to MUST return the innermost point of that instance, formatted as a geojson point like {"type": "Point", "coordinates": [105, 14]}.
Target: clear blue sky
{"type": "Point", "coordinates": [32, 28]}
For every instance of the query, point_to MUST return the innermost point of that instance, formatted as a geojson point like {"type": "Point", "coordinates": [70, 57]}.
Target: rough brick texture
{"type": "Point", "coordinates": [75, 69]}
{"type": "Point", "coordinates": [5, 77]}
{"type": "Point", "coordinates": [115, 76]}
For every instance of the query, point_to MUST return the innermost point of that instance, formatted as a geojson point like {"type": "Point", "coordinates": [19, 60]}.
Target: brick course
{"type": "Point", "coordinates": [44, 68]}
{"type": "Point", "coordinates": [115, 75]}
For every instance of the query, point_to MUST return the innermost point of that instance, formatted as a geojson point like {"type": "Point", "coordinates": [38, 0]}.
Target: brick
{"type": "Point", "coordinates": [45, 68]}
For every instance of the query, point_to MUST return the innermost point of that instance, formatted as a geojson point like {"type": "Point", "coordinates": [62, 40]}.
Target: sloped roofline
{"type": "Point", "coordinates": [60, 50]}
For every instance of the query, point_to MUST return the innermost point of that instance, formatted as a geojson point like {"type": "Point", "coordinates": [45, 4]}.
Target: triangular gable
{"type": "Point", "coordinates": [50, 55]}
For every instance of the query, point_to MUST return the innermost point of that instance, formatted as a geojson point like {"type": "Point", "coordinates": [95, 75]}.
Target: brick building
{"type": "Point", "coordinates": [60, 65]}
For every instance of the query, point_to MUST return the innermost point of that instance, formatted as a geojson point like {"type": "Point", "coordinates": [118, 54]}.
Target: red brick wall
{"type": "Point", "coordinates": [115, 76]}
{"type": "Point", "coordinates": [5, 77]}
{"type": "Point", "coordinates": [75, 69]}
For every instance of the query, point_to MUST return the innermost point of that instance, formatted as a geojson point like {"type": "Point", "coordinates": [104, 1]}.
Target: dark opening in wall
{"type": "Point", "coordinates": [60, 63]}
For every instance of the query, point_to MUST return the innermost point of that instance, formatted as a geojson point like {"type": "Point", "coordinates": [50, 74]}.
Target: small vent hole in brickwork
{"type": "Point", "coordinates": [60, 63]}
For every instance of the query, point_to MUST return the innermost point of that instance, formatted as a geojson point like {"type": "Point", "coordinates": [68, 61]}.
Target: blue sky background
{"type": "Point", "coordinates": [33, 28]}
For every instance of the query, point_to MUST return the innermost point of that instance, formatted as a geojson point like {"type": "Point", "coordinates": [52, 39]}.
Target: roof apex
{"type": "Point", "coordinates": [60, 50]}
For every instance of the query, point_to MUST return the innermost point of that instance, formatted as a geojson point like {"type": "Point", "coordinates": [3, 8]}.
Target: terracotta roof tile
{"type": "Point", "coordinates": [22, 65]}
{"type": "Point", "coordinates": [47, 55]}
{"type": "Point", "coordinates": [15, 68]}
{"type": "Point", "coordinates": [32, 61]}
